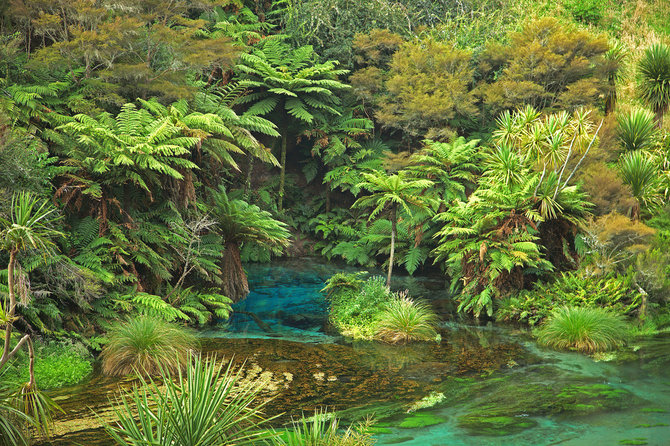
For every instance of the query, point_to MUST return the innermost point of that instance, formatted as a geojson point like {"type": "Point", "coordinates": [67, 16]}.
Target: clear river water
{"type": "Point", "coordinates": [481, 385]}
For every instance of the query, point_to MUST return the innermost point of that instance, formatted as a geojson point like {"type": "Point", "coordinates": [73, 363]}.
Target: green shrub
{"type": "Point", "coordinates": [57, 364]}
{"type": "Point", "coordinates": [323, 430]}
{"type": "Point", "coordinates": [585, 329]}
{"type": "Point", "coordinates": [147, 345]}
{"type": "Point", "coordinates": [209, 405]}
{"type": "Point", "coordinates": [356, 306]}
{"type": "Point", "coordinates": [533, 306]}
{"type": "Point", "coordinates": [586, 11]}
{"type": "Point", "coordinates": [405, 320]}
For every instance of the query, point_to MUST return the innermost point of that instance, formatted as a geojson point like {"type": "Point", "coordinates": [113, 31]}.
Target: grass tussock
{"type": "Point", "coordinates": [406, 320]}
{"type": "Point", "coordinates": [146, 345]}
{"type": "Point", "coordinates": [585, 329]}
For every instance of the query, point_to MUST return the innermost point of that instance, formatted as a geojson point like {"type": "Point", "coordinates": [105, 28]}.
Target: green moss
{"type": "Point", "coordinates": [495, 425]}
{"type": "Point", "coordinates": [635, 441]}
{"type": "Point", "coordinates": [652, 425]}
{"type": "Point", "coordinates": [653, 410]}
{"type": "Point", "coordinates": [379, 430]}
{"type": "Point", "coordinates": [420, 420]}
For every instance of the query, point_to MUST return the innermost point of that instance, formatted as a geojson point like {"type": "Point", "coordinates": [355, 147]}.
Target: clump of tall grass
{"type": "Point", "coordinates": [587, 329]}
{"type": "Point", "coordinates": [146, 345]}
{"type": "Point", "coordinates": [405, 320]}
{"type": "Point", "coordinates": [323, 430]}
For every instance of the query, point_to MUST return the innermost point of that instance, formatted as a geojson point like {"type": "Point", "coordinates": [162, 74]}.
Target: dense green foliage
{"type": "Point", "coordinates": [356, 306]}
{"type": "Point", "coordinates": [57, 364]}
{"type": "Point", "coordinates": [569, 290]}
{"type": "Point", "coordinates": [367, 309]}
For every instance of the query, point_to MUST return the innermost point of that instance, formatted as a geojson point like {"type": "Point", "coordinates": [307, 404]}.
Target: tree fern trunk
{"type": "Point", "coordinates": [282, 171]}
{"type": "Point", "coordinates": [393, 232]}
{"type": "Point", "coordinates": [235, 285]}
{"type": "Point", "coordinates": [247, 182]}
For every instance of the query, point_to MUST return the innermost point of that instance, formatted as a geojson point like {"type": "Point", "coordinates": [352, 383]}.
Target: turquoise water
{"type": "Point", "coordinates": [488, 385]}
{"type": "Point", "coordinates": [287, 297]}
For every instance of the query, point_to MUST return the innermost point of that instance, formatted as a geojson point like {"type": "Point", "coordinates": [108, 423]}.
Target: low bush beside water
{"type": "Point", "coordinates": [356, 306]}
{"type": "Point", "coordinates": [208, 404]}
{"type": "Point", "coordinates": [366, 309]}
{"type": "Point", "coordinates": [533, 306]}
{"type": "Point", "coordinates": [57, 364]}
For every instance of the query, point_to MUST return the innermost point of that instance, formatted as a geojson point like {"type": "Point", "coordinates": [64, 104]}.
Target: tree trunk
{"type": "Point", "coordinates": [235, 285]}
{"type": "Point", "coordinates": [282, 168]}
{"type": "Point", "coordinates": [659, 117]}
{"type": "Point", "coordinates": [10, 309]}
{"type": "Point", "coordinates": [31, 366]}
{"type": "Point", "coordinates": [393, 232]}
{"type": "Point", "coordinates": [635, 212]}
{"type": "Point", "coordinates": [610, 101]}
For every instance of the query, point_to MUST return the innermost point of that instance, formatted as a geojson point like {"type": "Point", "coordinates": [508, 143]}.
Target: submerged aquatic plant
{"type": "Point", "coordinates": [583, 328]}
{"type": "Point", "coordinates": [322, 429]}
{"type": "Point", "coordinates": [406, 320]}
{"type": "Point", "coordinates": [209, 405]}
{"type": "Point", "coordinates": [146, 345]}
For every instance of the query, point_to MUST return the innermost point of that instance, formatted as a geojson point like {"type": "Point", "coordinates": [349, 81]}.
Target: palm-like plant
{"type": "Point", "coordinates": [289, 81]}
{"type": "Point", "coordinates": [208, 405]}
{"type": "Point", "coordinates": [30, 227]}
{"type": "Point", "coordinates": [654, 79]}
{"type": "Point", "coordinates": [640, 171]}
{"type": "Point", "coordinates": [388, 194]}
{"type": "Point", "coordinates": [488, 242]}
{"type": "Point", "coordinates": [134, 147]}
{"type": "Point", "coordinates": [451, 165]}
{"type": "Point", "coordinates": [240, 222]}
{"type": "Point", "coordinates": [637, 129]}
{"type": "Point", "coordinates": [12, 420]}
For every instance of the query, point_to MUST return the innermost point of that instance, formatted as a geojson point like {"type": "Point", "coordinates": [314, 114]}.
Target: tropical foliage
{"type": "Point", "coordinates": [149, 149]}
